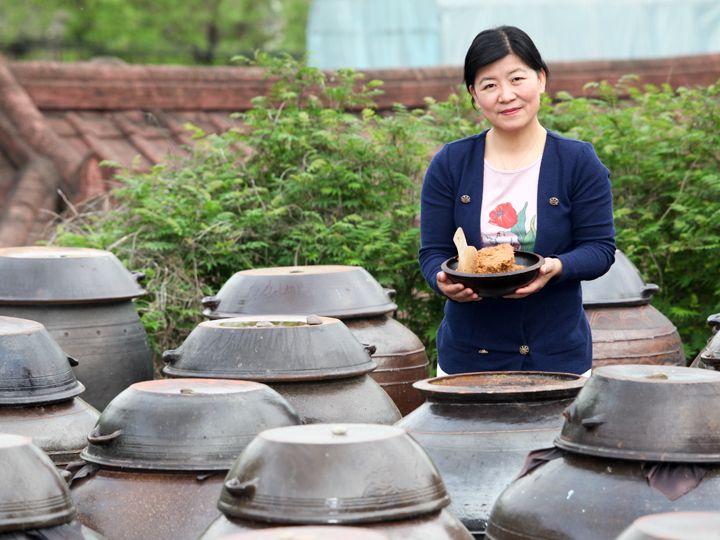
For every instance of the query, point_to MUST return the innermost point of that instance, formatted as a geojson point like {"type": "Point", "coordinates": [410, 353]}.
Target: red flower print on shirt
{"type": "Point", "coordinates": [503, 216]}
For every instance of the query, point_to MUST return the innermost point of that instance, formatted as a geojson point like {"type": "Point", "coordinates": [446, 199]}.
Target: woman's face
{"type": "Point", "coordinates": [508, 93]}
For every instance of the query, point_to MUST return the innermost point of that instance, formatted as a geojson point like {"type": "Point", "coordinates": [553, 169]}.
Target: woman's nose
{"type": "Point", "coordinates": [507, 93]}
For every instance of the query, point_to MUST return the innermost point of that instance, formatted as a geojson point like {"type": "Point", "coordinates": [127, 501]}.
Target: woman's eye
{"type": "Point", "coordinates": [518, 79]}
{"type": "Point", "coordinates": [488, 86]}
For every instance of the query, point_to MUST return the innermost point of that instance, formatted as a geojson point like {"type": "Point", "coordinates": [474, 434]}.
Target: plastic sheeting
{"type": "Point", "coordinates": [410, 33]}
{"type": "Point", "coordinates": [366, 34]}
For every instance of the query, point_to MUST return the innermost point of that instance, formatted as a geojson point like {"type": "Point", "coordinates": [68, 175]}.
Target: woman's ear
{"type": "Point", "coordinates": [542, 78]}
{"type": "Point", "coordinates": [473, 96]}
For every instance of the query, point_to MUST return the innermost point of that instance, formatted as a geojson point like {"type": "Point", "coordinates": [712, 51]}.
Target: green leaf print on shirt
{"type": "Point", "coordinates": [525, 237]}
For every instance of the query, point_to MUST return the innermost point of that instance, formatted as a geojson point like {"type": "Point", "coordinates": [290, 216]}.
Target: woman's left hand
{"type": "Point", "coordinates": [551, 267]}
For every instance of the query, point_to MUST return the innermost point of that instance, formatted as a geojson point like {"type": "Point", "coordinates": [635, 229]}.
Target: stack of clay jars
{"type": "Point", "coordinates": [314, 362]}
{"type": "Point", "coordinates": [479, 427]}
{"type": "Point", "coordinates": [34, 499]}
{"type": "Point", "coordinates": [38, 391]}
{"type": "Point", "coordinates": [626, 329]}
{"type": "Point", "coordinates": [348, 293]}
{"type": "Point", "coordinates": [638, 440]}
{"type": "Point", "coordinates": [364, 475]}
{"type": "Point", "coordinates": [158, 455]}
{"type": "Point", "coordinates": [84, 299]}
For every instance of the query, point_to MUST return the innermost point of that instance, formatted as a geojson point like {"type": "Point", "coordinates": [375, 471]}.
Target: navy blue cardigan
{"type": "Point", "coordinates": [548, 330]}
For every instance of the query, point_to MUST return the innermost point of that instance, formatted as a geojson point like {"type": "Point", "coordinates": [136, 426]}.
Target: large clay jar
{"type": "Point", "coordinates": [637, 440]}
{"type": "Point", "coordinates": [709, 357]}
{"type": "Point", "coordinates": [354, 474]}
{"type": "Point", "coordinates": [348, 293]}
{"type": "Point", "coordinates": [626, 329]}
{"type": "Point", "coordinates": [158, 455]}
{"type": "Point", "coordinates": [479, 427]}
{"type": "Point", "coordinates": [34, 499]}
{"type": "Point", "coordinates": [84, 299]}
{"type": "Point", "coordinates": [38, 392]}
{"type": "Point", "coordinates": [314, 362]}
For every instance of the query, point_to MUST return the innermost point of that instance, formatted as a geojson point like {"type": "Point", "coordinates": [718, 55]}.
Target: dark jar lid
{"type": "Point", "coordinates": [674, 525]}
{"type": "Point", "coordinates": [646, 413]}
{"type": "Point", "coordinates": [328, 290]}
{"type": "Point", "coordinates": [310, 532]}
{"type": "Point", "coordinates": [33, 495]}
{"type": "Point", "coordinates": [64, 275]}
{"type": "Point", "coordinates": [273, 348]}
{"type": "Point", "coordinates": [184, 424]}
{"type": "Point", "coordinates": [33, 367]}
{"type": "Point", "coordinates": [622, 285]}
{"type": "Point", "coordinates": [710, 355]}
{"type": "Point", "coordinates": [501, 386]}
{"type": "Point", "coordinates": [331, 473]}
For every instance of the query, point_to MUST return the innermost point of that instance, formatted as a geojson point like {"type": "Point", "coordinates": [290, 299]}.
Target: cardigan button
{"type": "Point", "coordinates": [554, 201]}
{"type": "Point", "coordinates": [465, 199]}
{"type": "Point", "coordinates": [524, 349]}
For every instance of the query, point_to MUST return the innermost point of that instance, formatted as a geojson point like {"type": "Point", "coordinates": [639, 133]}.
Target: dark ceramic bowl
{"type": "Point", "coordinates": [646, 413]}
{"type": "Point", "coordinates": [279, 348]}
{"type": "Point", "coordinates": [329, 290]}
{"type": "Point", "coordinates": [331, 473]}
{"type": "Point", "coordinates": [184, 424]}
{"type": "Point", "coordinates": [500, 284]}
{"type": "Point", "coordinates": [47, 275]}
{"type": "Point", "coordinates": [32, 493]}
{"type": "Point", "coordinates": [33, 367]}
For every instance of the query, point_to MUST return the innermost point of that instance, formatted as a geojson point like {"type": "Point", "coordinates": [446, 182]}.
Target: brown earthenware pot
{"type": "Point", "coordinates": [479, 427]}
{"type": "Point", "coordinates": [314, 362]}
{"type": "Point", "coordinates": [83, 297]}
{"type": "Point", "coordinates": [348, 293]}
{"type": "Point", "coordinates": [626, 329]}
{"type": "Point", "coordinates": [159, 453]}
{"type": "Point", "coordinates": [336, 474]}
{"type": "Point", "coordinates": [34, 498]}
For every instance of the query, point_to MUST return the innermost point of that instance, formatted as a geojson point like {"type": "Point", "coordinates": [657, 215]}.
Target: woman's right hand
{"type": "Point", "coordinates": [455, 291]}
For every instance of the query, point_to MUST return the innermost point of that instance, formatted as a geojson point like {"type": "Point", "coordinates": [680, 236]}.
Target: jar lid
{"type": "Point", "coordinates": [329, 290]}
{"type": "Point", "coordinates": [621, 285]}
{"type": "Point", "coordinates": [33, 495]}
{"type": "Point", "coordinates": [646, 413]}
{"type": "Point", "coordinates": [184, 424]}
{"type": "Point", "coordinates": [48, 274]}
{"type": "Point", "coordinates": [33, 367]}
{"type": "Point", "coordinates": [273, 348]}
{"type": "Point", "coordinates": [499, 386]}
{"type": "Point", "coordinates": [332, 473]}
{"type": "Point", "coordinates": [674, 526]}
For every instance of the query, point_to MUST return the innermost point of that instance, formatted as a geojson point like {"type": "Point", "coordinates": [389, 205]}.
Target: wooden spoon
{"type": "Point", "coordinates": [466, 254]}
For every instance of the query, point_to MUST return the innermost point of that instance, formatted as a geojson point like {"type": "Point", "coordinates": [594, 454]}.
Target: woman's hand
{"type": "Point", "coordinates": [551, 267]}
{"type": "Point", "coordinates": [455, 291]}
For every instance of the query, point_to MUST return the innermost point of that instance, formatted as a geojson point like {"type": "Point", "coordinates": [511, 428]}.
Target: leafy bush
{"type": "Point", "coordinates": [304, 181]}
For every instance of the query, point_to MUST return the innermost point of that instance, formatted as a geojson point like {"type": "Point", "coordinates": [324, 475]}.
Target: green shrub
{"type": "Point", "coordinates": [307, 182]}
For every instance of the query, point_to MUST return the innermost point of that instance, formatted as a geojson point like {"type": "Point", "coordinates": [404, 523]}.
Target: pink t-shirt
{"type": "Point", "coordinates": [509, 206]}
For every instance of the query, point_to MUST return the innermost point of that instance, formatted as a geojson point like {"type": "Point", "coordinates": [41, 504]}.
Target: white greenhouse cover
{"type": "Point", "coordinates": [366, 34]}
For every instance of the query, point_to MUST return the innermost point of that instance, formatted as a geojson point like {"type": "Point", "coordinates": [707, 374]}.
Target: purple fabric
{"type": "Point", "coordinates": [538, 458]}
{"type": "Point", "coordinates": [673, 479]}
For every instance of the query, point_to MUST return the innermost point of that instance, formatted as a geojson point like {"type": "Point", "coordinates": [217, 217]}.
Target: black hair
{"type": "Point", "coordinates": [491, 45]}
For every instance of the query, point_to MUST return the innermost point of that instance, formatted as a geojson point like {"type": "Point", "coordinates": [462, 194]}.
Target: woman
{"type": "Point", "coordinates": [519, 183]}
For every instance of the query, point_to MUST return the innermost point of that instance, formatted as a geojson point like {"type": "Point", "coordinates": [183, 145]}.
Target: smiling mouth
{"type": "Point", "coordinates": [510, 111]}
